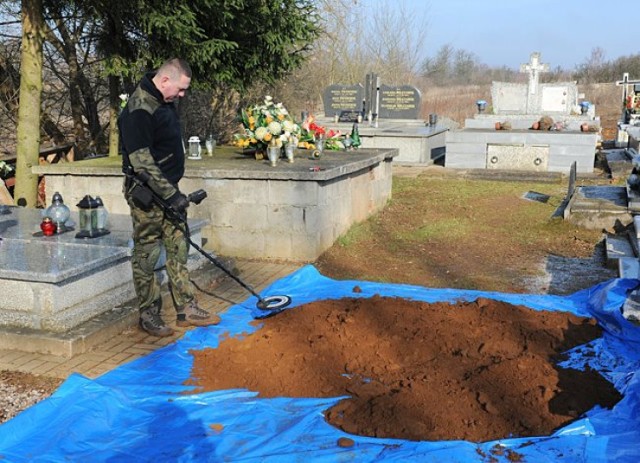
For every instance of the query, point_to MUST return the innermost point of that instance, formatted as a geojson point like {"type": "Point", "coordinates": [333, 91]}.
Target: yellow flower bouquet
{"type": "Point", "coordinates": [266, 124]}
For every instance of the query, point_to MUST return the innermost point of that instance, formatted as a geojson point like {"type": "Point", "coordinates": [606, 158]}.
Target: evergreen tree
{"type": "Point", "coordinates": [227, 42]}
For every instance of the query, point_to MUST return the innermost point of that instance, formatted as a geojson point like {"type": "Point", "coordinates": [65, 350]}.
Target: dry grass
{"type": "Point", "coordinates": [456, 233]}
{"type": "Point", "coordinates": [455, 103]}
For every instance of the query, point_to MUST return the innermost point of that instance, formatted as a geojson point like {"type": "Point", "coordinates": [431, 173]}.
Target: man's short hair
{"type": "Point", "coordinates": [174, 68]}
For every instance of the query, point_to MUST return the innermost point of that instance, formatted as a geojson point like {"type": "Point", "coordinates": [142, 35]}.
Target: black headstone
{"type": "Point", "coordinates": [339, 98]}
{"type": "Point", "coordinates": [399, 102]}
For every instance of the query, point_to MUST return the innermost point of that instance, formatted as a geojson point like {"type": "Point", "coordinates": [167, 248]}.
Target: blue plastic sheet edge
{"type": "Point", "coordinates": [143, 411]}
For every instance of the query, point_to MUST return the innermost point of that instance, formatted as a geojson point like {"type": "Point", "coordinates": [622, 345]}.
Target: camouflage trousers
{"type": "Point", "coordinates": [152, 231]}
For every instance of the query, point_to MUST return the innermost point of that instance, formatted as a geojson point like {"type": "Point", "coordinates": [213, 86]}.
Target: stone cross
{"type": "Point", "coordinates": [534, 68]}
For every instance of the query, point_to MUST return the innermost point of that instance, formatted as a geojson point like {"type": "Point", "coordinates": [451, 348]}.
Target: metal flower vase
{"type": "Point", "coordinates": [273, 153]}
{"type": "Point", "coordinates": [289, 151]}
{"type": "Point", "coordinates": [317, 153]}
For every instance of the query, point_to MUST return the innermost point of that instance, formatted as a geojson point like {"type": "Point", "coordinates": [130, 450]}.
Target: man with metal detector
{"type": "Point", "coordinates": [153, 161]}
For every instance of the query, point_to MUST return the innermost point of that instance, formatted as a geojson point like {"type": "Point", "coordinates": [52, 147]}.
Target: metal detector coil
{"type": "Point", "coordinates": [273, 302]}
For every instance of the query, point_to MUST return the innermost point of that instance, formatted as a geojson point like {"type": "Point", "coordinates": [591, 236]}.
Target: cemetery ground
{"type": "Point", "coordinates": [471, 234]}
{"type": "Point", "coordinates": [441, 231]}
{"type": "Point", "coordinates": [438, 231]}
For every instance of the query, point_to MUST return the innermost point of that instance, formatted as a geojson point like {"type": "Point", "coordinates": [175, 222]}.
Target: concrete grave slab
{"type": "Point", "coordinates": [598, 207]}
{"type": "Point", "coordinates": [474, 148]}
{"type": "Point", "coordinates": [616, 248]}
{"type": "Point", "coordinates": [56, 283]}
{"type": "Point", "coordinates": [254, 210]}
{"type": "Point", "coordinates": [483, 144]}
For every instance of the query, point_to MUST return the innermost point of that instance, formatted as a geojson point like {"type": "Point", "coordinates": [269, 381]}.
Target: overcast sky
{"type": "Point", "coordinates": [506, 32]}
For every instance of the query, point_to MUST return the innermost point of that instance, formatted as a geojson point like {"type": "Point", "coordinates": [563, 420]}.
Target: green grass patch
{"type": "Point", "coordinates": [425, 209]}
{"type": "Point", "coordinates": [358, 232]}
{"type": "Point", "coordinates": [450, 228]}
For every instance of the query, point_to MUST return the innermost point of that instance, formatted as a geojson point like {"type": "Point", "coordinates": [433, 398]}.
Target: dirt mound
{"type": "Point", "coordinates": [476, 371]}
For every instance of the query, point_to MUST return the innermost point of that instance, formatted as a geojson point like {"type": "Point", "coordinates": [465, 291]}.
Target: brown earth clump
{"type": "Point", "coordinates": [476, 371]}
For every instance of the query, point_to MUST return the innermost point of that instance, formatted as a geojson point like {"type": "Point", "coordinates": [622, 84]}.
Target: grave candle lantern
{"type": "Point", "coordinates": [482, 105]}
{"type": "Point", "coordinates": [91, 218]}
{"type": "Point", "coordinates": [194, 148]}
{"type": "Point", "coordinates": [58, 212]}
{"type": "Point", "coordinates": [48, 227]}
{"type": "Point", "coordinates": [584, 107]}
{"type": "Point", "coordinates": [102, 214]}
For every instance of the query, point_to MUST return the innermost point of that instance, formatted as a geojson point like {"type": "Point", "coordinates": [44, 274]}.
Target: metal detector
{"type": "Point", "coordinates": [270, 304]}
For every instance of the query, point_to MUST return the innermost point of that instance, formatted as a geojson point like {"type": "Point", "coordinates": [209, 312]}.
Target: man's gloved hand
{"type": "Point", "coordinates": [178, 202]}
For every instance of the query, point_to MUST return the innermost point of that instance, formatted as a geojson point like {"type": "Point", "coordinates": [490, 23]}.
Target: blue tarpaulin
{"type": "Point", "coordinates": [140, 412]}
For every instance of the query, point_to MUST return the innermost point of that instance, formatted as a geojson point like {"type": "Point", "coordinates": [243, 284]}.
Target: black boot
{"type": "Point", "coordinates": [152, 323]}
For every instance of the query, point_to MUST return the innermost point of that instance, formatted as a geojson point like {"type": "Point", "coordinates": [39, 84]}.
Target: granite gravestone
{"type": "Point", "coordinates": [374, 101]}
{"type": "Point", "coordinates": [399, 102]}
{"type": "Point", "coordinates": [340, 98]}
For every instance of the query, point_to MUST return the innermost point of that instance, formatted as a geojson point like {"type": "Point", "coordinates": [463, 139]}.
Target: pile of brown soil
{"type": "Point", "coordinates": [476, 371]}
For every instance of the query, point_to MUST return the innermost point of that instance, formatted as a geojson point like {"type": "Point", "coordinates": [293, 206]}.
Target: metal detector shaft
{"type": "Point", "coordinates": [183, 220]}
{"type": "Point", "coordinates": [218, 264]}
{"type": "Point", "coordinates": [273, 304]}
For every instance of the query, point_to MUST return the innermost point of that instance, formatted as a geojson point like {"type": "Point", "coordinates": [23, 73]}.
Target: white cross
{"type": "Point", "coordinates": [534, 67]}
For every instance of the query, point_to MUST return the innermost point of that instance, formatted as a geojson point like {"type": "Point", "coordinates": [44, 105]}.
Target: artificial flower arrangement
{"type": "Point", "coordinates": [312, 132]}
{"type": "Point", "coordinates": [266, 124]}
{"type": "Point", "coordinates": [271, 124]}
{"type": "Point", "coordinates": [633, 103]}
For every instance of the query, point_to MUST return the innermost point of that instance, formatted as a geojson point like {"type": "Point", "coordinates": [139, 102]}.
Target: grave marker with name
{"type": "Point", "coordinates": [350, 116]}
{"type": "Point", "coordinates": [399, 102]}
{"type": "Point", "coordinates": [339, 98]}
{"type": "Point", "coordinates": [373, 101]}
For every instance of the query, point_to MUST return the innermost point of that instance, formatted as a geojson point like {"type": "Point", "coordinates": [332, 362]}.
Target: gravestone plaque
{"type": "Point", "coordinates": [349, 116]}
{"type": "Point", "coordinates": [555, 100]}
{"type": "Point", "coordinates": [339, 98]}
{"type": "Point", "coordinates": [509, 98]}
{"type": "Point", "coordinates": [399, 102]}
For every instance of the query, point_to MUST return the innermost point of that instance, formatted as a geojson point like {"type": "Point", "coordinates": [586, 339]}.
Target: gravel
{"type": "Point", "coordinates": [19, 391]}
